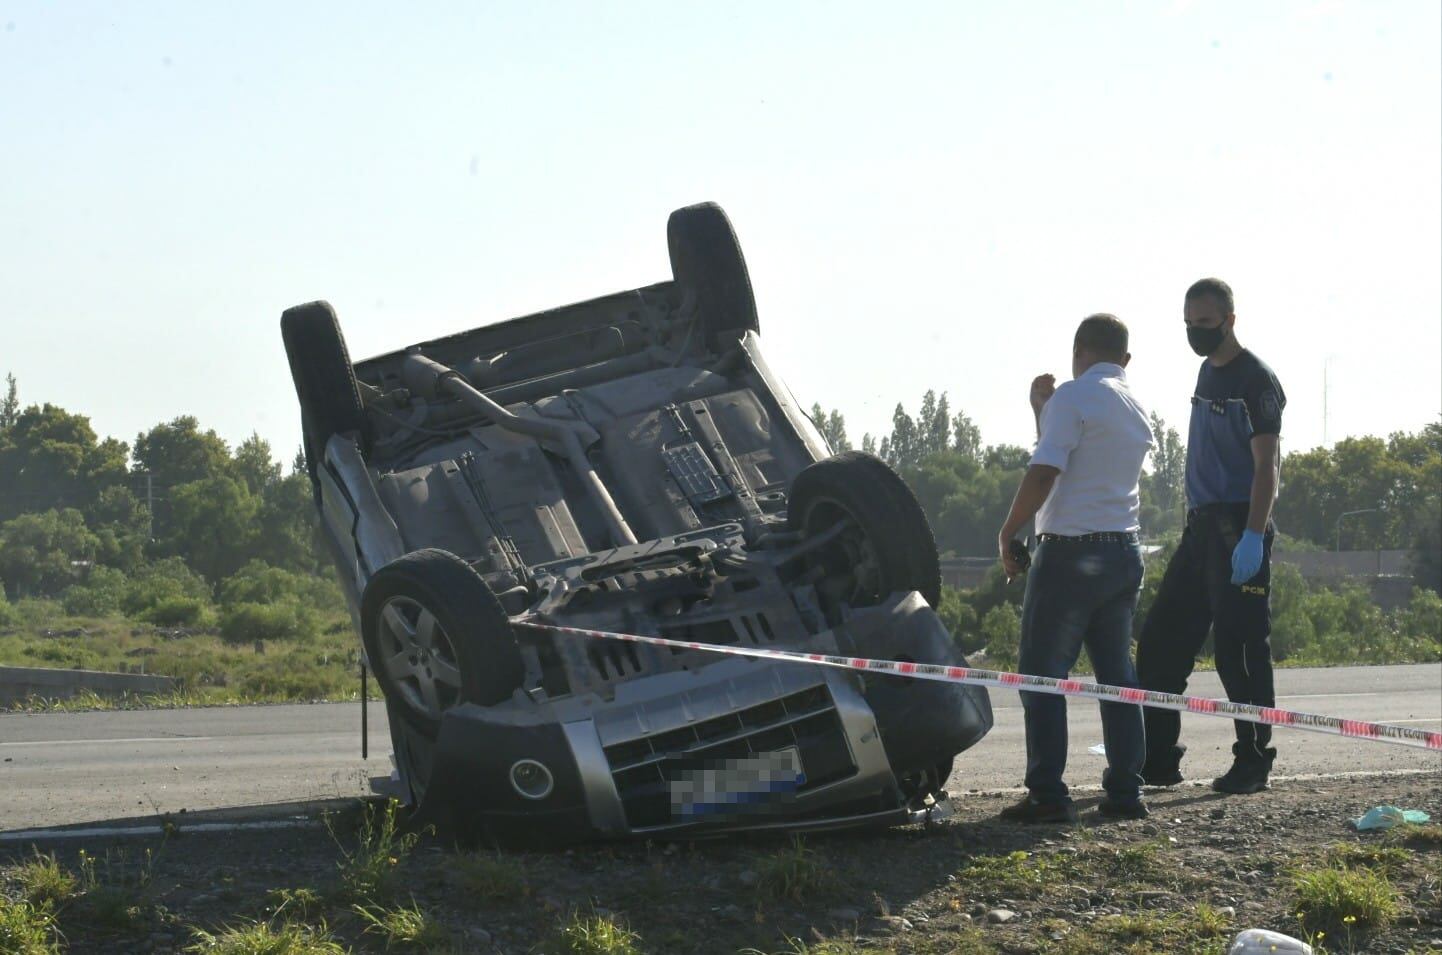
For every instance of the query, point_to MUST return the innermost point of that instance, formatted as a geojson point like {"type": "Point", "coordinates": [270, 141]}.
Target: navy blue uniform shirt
{"type": "Point", "coordinates": [1232, 403]}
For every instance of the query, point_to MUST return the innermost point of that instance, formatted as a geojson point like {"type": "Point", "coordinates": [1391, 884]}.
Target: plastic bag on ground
{"type": "Point", "coordinates": [1385, 817]}
{"type": "Point", "coordinates": [1259, 941]}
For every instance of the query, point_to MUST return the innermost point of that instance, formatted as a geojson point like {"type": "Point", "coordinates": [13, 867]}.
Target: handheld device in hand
{"type": "Point", "coordinates": [1020, 554]}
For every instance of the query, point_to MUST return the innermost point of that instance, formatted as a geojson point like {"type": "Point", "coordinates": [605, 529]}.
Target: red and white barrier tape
{"type": "Point", "coordinates": [1357, 729]}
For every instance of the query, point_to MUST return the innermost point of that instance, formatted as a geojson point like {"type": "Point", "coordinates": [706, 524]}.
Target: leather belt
{"type": "Point", "coordinates": [1101, 537]}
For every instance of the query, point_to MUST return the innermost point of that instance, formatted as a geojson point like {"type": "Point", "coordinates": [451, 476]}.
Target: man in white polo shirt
{"type": "Point", "coordinates": [1082, 487]}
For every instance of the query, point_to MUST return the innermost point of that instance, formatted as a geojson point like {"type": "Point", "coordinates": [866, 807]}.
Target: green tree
{"type": "Point", "coordinates": [10, 405]}
{"type": "Point", "coordinates": [1008, 457]}
{"type": "Point", "coordinates": [832, 427]}
{"type": "Point", "coordinates": [1391, 482]}
{"type": "Point", "coordinates": [121, 525]}
{"type": "Point", "coordinates": [50, 459]}
{"type": "Point", "coordinates": [1163, 484]}
{"type": "Point", "coordinates": [42, 554]}
{"type": "Point", "coordinates": [966, 436]}
{"type": "Point", "coordinates": [178, 452]}
{"type": "Point", "coordinates": [253, 464]}
{"type": "Point", "coordinates": [212, 525]}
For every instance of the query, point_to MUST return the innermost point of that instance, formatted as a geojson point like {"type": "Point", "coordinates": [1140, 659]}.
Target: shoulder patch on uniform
{"type": "Point", "coordinates": [1271, 407]}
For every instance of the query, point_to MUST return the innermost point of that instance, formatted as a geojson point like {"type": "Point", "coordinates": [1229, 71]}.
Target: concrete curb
{"type": "Point", "coordinates": [19, 683]}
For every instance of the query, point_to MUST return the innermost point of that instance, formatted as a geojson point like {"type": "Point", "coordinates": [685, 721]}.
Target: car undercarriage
{"type": "Point", "coordinates": [628, 464]}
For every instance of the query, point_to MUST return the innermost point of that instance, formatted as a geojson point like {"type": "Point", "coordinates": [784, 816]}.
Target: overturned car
{"type": "Point", "coordinates": [629, 464]}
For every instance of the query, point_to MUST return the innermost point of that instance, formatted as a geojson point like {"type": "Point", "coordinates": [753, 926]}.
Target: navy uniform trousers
{"type": "Point", "coordinates": [1196, 596]}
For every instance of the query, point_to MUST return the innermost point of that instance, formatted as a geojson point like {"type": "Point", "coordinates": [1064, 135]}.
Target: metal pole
{"type": "Point", "coordinates": [1337, 544]}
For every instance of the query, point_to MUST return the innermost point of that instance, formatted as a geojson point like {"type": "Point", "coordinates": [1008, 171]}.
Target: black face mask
{"type": "Point", "coordinates": [1204, 341]}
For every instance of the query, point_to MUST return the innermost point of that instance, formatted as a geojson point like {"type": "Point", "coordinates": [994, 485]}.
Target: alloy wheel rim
{"type": "Point", "coordinates": [418, 657]}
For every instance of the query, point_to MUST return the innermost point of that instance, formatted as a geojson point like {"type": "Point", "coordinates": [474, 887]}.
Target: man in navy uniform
{"type": "Point", "coordinates": [1220, 576]}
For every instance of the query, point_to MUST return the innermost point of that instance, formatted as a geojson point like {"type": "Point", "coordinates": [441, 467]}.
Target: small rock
{"type": "Point", "coordinates": [979, 909]}
{"type": "Point", "coordinates": [1000, 916]}
{"type": "Point", "coordinates": [1227, 911]}
{"type": "Point", "coordinates": [896, 923]}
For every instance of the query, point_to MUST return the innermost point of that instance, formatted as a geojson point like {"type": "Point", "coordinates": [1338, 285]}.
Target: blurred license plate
{"type": "Point", "coordinates": [760, 783]}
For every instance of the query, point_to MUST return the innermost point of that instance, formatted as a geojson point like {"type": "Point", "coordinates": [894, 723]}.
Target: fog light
{"type": "Point", "coordinates": [531, 779]}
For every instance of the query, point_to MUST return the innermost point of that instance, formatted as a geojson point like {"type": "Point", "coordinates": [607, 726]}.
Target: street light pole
{"type": "Point", "coordinates": [1338, 530]}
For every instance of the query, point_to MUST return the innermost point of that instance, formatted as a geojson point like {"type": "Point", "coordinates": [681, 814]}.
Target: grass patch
{"type": "Point", "coordinates": [794, 873]}
{"type": "Point", "coordinates": [1016, 873]}
{"type": "Point", "coordinates": [795, 946]}
{"type": "Point", "coordinates": [1337, 900]}
{"type": "Point", "coordinates": [44, 882]}
{"type": "Point", "coordinates": [407, 926]}
{"type": "Point", "coordinates": [593, 935]}
{"type": "Point", "coordinates": [26, 928]}
{"type": "Point", "coordinates": [1202, 931]}
{"type": "Point", "coordinates": [1387, 860]}
{"type": "Point", "coordinates": [294, 903]}
{"type": "Point", "coordinates": [113, 890]}
{"type": "Point", "coordinates": [492, 877]}
{"type": "Point", "coordinates": [209, 671]}
{"type": "Point", "coordinates": [367, 871]}
{"type": "Point", "coordinates": [1425, 836]}
{"type": "Point", "coordinates": [261, 938]}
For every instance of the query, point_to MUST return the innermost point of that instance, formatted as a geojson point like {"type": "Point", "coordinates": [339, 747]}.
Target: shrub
{"type": "Point", "coordinates": [178, 612]}
{"type": "Point", "coordinates": [258, 582]}
{"type": "Point", "coordinates": [245, 622]}
{"type": "Point", "coordinates": [44, 882]}
{"type": "Point", "coordinates": [25, 929]}
{"type": "Point", "coordinates": [36, 611]}
{"type": "Point", "coordinates": [165, 579]}
{"type": "Point", "coordinates": [99, 596]}
{"type": "Point", "coordinates": [1002, 629]}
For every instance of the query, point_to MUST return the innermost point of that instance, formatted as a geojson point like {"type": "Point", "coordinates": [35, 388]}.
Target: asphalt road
{"type": "Point", "coordinates": [65, 768]}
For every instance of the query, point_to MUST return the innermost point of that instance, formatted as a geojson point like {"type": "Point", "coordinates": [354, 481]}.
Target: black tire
{"type": "Point", "coordinates": [886, 518]}
{"type": "Point", "coordinates": [706, 259]}
{"type": "Point", "coordinates": [324, 378]}
{"type": "Point", "coordinates": [435, 637]}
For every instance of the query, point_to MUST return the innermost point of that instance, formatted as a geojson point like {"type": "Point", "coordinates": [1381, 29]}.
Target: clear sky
{"type": "Point", "coordinates": [929, 194]}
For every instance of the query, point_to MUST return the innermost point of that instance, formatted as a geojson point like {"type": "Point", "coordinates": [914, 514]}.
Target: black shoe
{"type": "Point", "coordinates": [1112, 809]}
{"type": "Point", "coordinates": [1243, 778]}
{"type": "Point", "coordinates": [1162, 776]}
{"type": "Point", "coordinates": [1030, 811]}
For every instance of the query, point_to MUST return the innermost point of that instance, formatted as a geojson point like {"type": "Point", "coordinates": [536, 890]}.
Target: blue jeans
{"type": "Point", "coordinates": [1081, 593]}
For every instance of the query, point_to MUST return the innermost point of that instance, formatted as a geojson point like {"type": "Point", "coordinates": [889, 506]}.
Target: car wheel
{"type": "Point", "coordinates": [324, 378]}
{"type": "Point", "coordinates": [884, 543]}
{"type": "Point", "coordinates": [435, 637]}
{"type": "Point", "coordinates": [706, 260]}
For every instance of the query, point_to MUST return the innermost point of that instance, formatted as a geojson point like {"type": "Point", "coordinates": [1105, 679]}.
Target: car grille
{"type": "Point", "coordinates": [644, 768]}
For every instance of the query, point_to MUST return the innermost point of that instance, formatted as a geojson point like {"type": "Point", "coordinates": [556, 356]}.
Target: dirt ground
{"type": "Point", "coordinates": [1202, 868]}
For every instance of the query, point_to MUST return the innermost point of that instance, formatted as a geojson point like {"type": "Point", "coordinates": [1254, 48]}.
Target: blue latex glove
{"type": "Point", "coordinates": [1247, 558]}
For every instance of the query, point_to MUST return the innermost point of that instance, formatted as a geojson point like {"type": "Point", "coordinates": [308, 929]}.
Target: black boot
{"type": "Point", "coordinates": [1247, 775]}
{"type": "Point", "coordinates": [1030, 810]}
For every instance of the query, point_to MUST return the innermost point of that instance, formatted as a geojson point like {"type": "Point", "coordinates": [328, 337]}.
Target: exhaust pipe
{"type": "Point", "coordinates": [431, 379]}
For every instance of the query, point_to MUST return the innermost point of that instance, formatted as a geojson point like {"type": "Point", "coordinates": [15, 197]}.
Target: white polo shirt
{"type": "Point", "coordinates": [1096, 434]}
